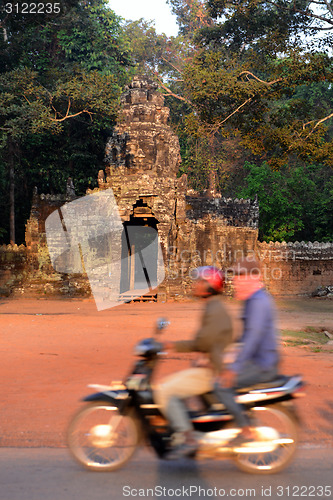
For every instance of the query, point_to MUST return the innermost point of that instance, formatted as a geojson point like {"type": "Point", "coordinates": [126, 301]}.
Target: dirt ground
{"type": "Point", "coordinates": [51, 349]}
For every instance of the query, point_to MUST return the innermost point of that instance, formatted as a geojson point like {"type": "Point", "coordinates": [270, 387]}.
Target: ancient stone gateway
{"type": "Point", "coordinates": [143, 158]}
{"type": "Point", "coordinates": [142, 164]}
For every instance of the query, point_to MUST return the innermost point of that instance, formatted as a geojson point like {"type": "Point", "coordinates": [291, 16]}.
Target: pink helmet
{"type": "Point", "coordinates": [211, 274]}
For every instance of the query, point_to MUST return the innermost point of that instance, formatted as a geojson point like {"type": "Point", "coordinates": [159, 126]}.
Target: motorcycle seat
{"type": "Point", "coordinates": [279, 381]}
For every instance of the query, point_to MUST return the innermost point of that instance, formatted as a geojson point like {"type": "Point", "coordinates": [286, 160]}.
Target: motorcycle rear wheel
{"type": "Point", "coordinates": [100, 438]}
{"type": "Point", "coordinates": [284, 421]}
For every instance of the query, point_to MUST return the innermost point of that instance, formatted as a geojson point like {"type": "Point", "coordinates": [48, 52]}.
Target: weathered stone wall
{"type": "Point", "coordinates": [296, 268]}
{"type": "Point", "coordinates": [35, 238]}
{"type": "Point", "coordinates": [204, 242]}
{"type": "Point", "coordinates": [230, 212]}
{"type": "Point", "coordinates": [207, 231]}
{"type": "Point", "coordinates": [13, 267]}
{"type": "Point", "coordinates": [40, 277]}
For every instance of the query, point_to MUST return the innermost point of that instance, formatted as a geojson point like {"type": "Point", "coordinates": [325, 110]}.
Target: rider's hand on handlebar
{"type": "Point", "coordinates": [168, 346]}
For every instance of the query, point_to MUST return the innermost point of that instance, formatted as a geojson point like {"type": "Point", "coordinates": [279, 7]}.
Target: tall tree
{"type": "Point", "coordinates": [191, 15]}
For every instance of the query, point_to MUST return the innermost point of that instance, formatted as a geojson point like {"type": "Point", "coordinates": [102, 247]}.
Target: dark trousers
{"type": "Point", "coordinates": [251, 374]}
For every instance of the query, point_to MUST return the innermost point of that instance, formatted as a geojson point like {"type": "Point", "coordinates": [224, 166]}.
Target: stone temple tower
{"type": "Point", "coordinates": [143, 158]}
{"type": "Point", "coordinates": [143, 141]}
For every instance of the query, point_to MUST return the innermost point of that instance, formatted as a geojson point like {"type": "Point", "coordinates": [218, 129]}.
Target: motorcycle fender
{"type": "Point", "coordinates": [119, 399]}
{"type": "Point", "coordinates": [292, 408]}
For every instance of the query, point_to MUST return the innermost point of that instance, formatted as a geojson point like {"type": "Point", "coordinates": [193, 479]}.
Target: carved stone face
{"type": "Point", "coordinates": [143, 141]}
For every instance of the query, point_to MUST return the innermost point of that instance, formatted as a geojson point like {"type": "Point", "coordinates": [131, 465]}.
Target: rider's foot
{"type": "Point", "coordinates": [183, 450]}
{"type": "Point", "coordinates": [187, 449]}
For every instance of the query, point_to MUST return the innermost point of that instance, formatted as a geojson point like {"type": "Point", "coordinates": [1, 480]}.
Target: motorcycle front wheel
{"type": "Point", "coordinates": [283, 422]}
{"type": "Point", "coordinates": [100, 438]}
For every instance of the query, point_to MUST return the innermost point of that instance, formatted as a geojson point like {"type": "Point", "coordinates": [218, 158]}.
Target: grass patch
{"type": "Point", "coordinates": [312, 337]}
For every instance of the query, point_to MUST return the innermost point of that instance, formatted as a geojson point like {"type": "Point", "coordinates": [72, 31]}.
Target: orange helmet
{"type": "Point", "coordinates": [213, 276]}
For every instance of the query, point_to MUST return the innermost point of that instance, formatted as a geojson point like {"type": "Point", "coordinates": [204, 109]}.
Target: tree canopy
{"type": "Point", "coordinates": [61, 77]}
{"type": "Point", "coordinates": [258, 86]}
{"type": "Point", "coordinates": [249, 84]}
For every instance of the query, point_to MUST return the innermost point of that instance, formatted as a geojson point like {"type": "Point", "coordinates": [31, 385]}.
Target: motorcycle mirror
{"type": "Point", "coordinates": [162, 323]}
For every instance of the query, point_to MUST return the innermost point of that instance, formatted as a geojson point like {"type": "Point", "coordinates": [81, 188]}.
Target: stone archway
{"type": "Point", "coordinates": [139, 273]}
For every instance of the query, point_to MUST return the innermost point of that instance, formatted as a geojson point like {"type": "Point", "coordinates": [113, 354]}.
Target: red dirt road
{"type": "Point", "coordinates": [51, 349]}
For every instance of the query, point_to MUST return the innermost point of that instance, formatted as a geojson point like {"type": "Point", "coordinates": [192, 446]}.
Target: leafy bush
{"type": "Point", "coordinates": [296, 203]}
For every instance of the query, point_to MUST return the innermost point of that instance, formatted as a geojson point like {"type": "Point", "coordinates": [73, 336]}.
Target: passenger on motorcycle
{"type": "Point", "coordinates": [213, 336]}
{"type": "Point", "coordinates": [258, 358]}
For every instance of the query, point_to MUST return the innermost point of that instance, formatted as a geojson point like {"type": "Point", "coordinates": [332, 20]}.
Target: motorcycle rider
{"type": "Point", "coordinates": [258, 358]}
{"type": "Point", "coordinates": [213, 336]}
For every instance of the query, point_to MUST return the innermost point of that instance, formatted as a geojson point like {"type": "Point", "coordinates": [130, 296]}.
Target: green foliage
{"type": "Point", "coordinates": [157, 56]}
{"type": "Point", "coordinates": [269, 26]}
{"type": "Point", "coordinates": [296, 203]}
{"type": "Point", "coordinates": [85, 33]}
{"type": "Point", "coordinates": [191, 15]}
{"type": "Point", "coordinates": [92, 37]}
{"type": "Point", "coordinates": [147, 47]}
{"type": "Point", "coordinates": [24, 105]}
{"type": "Point", "coordinates": [248, 75]}
{"type": "Point", "coordinates": [61, 77]}
{"type": "Point", "coordinates": [265, 109]}
{"type": "Point", "coordinates": [31, 38]}
{"type": "Point", "coordinates": [2, 199]}
{"type": "Point", "coordinates": [205, 169]}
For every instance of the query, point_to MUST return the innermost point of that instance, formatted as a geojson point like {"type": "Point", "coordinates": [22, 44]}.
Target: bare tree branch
{"type": "Point", "coordinates": [317, 124]}
{"type": "Point", "coordinates": [26, 99]}
{"type": "Point", "coordinates": [169, 92]}
{"type": "Point", "coordinates": [67, 115]}
{"type": "Point", "coordinates": [315, 16]}
{"type": "Point", "coordinates": [236, 111]}
{"type": "Point", "coordinates": [329, 6]}
{"type": "Point", "coordinates": [247, 73]}
{"type": "Point", "coordinates": [307, 123]}
{"type": "Point", "coordinates": [168, 62]}
{"type": "Point", "coordinates": [318, 28]}
{"type": "Point", "coordinates": [71, 116]}
{"type": "Point", "coordinates": [258, 79]}
{"type": "Point", "coordinates": [213, 129]}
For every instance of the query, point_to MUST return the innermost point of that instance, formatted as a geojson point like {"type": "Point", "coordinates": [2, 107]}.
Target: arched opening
{"type": "Point", "coordinates": [114, 155]}
{"type": "Point", "coordinates": [139, 264]}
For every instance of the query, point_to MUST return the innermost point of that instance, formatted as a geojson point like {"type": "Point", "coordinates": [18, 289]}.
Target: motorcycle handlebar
{"type": "Point", "coordinates": [161, 324]}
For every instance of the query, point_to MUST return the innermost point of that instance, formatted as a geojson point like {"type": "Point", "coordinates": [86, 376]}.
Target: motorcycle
{"type": "Point", "coordinates": [117, 419]}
